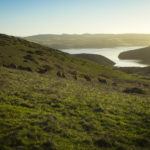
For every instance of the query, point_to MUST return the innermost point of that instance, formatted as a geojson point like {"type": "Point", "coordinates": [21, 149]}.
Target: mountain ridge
{"type": "Point", "coordinates": [66, 41]}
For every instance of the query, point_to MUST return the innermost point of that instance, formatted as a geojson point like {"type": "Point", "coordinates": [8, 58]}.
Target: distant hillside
{"type": "Point", "coordinates": [141, 54]}
{"type": "Point", "coordinates": [96, 58]}
{"type": "Point", "coordinates": [66, 41]}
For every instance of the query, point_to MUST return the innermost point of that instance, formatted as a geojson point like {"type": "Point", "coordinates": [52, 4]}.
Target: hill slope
{"type": "Point", "coordinates": [65, 41]}
{"type": "Point", "coordinates": [88, 107]}
{"type": "Point", "coordinates": [20, 54]}
{"type": "Point", "coordinates": [47, 112]}
{"type": "Point", "coordinates": [96, 58]}
{"type": "Point", "coordinates": [141, 54]}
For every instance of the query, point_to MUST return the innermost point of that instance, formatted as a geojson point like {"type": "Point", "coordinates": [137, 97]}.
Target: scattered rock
{"type": "Point", "coordinates": [58, 74]}
{"type": "Point", "coordinates": [61, 74]}
{"type": "Point", "coordinates": [42, 70]}
{"type": "Point", "coordinates": [25, 61]}
{"type": "Point", "coordinates": [28, 57]}
{"type": "Point", "coordinates": [47, 67]}
{"type": "Point", "coordinates": [133, 91]}
{"type": "Point", "coordinates": [102, 81]}
{"type": "Point", "coordinates": [13, 66]}
{"type": "Point", "coordinates": [87, 78]}
{"type": "Point", "coordinates": [24, 68]}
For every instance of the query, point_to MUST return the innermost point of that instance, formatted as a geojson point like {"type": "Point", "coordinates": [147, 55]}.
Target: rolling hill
{"type": "Point", "coordinates": [66, 41]}
{"type": "Point", "coordinates": [96, 58]}
{"type": "Point", "coordinates": [141, 54]}
{"type": "Point", "coordinates": [17, 53]}
{"type": "Point", "coordinates": [50, 100]}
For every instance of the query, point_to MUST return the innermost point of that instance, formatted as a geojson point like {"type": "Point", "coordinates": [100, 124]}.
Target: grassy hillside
{"type": "Point", "coordinates": [141, 54]}
{"type": "Point", "coordinates": [86, 106]}
{"type": "Point", "coordinates": [65, 41]}
{"type": "Point", "coordinates": [47, 112]}
{"type": "Point", "coordinates": [23, 55]}
{"type": "Point", "coordinates": [96, 58]}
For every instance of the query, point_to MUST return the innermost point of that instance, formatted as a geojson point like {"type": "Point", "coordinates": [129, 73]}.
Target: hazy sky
{"type": "Point", "coordinates": [29, 17]}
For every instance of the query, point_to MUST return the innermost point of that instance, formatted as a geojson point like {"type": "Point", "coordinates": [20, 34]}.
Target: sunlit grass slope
{"type": "Point", "coordinates": [47, 112]}
{"type": "Point", "coordinates": [55, 101]}
{"type": "Point", "coordinates": [20, 54]}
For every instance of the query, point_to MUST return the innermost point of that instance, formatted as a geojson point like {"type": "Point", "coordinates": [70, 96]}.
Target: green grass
{"type": "Point", "coordinates": [20, 54]}
{"type": "Point", "coordinates": [47, 112]}
{"type": "Point", "coordinates": [44, 111]}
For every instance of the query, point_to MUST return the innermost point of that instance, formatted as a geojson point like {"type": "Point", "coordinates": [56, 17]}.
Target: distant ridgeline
{"type": "Point", "coordinates": [66, 41]}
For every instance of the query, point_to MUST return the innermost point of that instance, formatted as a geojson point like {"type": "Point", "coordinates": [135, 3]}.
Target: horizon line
{"type": "Point", "coordinates": [130, 33]}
